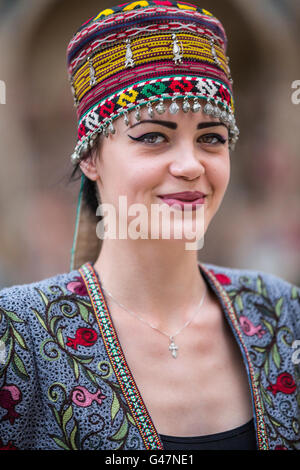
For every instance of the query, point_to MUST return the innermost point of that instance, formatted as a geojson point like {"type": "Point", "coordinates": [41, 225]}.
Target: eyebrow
{"type": "Point", "coordinates": [173, 125]}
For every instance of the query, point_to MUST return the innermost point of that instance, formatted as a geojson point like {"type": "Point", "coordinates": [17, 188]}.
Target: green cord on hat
{"type": "Point", "coordinates": [77, 222]}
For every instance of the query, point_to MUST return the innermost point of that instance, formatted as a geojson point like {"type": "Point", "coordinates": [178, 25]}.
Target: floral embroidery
{"type": "Point", "coordinates": [284, 383]}
{"type": "Point", "coordinates": [249, 328]}
{"type": "Point", "coordinates": [10, 396]}
{"type": "Point", "coordinates": [222, 278]}
{"type": "Point", "coordinates": [77, 286]}
{"type": "Point", "coordinates": [83, 337]}
{"type": "Point", "coordinates": [56, 360]}
{"type": "Point", "coordinates": [82, 397]}
{"type": "Point", "coordinates": [8, 446]}
{"type": "Point", "coordinates": [267, 352]}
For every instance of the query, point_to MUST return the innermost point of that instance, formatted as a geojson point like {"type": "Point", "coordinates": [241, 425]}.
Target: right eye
{"type": "Point", "coordinates": [149, 138]}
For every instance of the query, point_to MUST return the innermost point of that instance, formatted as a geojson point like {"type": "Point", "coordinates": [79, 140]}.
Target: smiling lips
{"type": "Point", "coordinates": [188, 199]}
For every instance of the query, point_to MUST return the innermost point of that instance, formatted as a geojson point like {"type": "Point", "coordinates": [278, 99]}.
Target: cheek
{"type": "Point", "coordinates": [142, 178]}
{"type": "Point", "coordinates": [131, 179]}
{"type": "Point", "coordinates": [218, 174]}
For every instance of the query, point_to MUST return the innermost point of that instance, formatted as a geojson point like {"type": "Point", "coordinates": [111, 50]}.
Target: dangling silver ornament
{"type": "Point", "coordinates": [160, 108]}
{"type": "Point", "coordinates": [138, 113]}
{"type": "Point", "coordinates": [93, 80]}
{"type": "Point", "coordinates": [129, 62]}
{"type": "Point", "coordinates": [85, 146]}
{"type": "Point", "coordinates": [186, 105]}
{"type": "Point", "coordinates": [224, 116]}
{"type": "Point", "coordinates": [236, 131]}
{"type": "Point", "coordinates": [75, 158]}
{"type": "Point", "coordinates": [176, 50]}
{"type": "Point", "coordinates": [216, 112]}
{"type": "Point", "coordinates": [150, 109]}
{"type": "Point", "coordinates": [93, 138]}
{"type": "Point", "coordinates": [196, 106]}
{"type": "Point", "coordinates": [126, 119]}
{"type": "Point", "coordinates": [213, 52]}
{"type": "Point", "coordinates": [173, 108]}
{"type": "Point", "coordinates": [111, 128]}
{"type": "Point", "coordinates": [105, 130]}
{"type": "Point", "coordinates": [230, 119]}
{"type": "Point", "coordinates": [208, 108]}
{"type": "Point", "coordinates": [228, 70]}
{"type": "Point", "coordinates": [74, 95]}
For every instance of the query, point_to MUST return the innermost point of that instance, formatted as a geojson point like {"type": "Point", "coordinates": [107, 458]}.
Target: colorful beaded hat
{"type": "Point", "coordinates": [160, 54]}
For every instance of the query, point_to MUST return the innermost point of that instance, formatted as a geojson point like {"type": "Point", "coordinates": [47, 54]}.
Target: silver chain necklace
{"type": "Point", "coordinates": [172, 346]}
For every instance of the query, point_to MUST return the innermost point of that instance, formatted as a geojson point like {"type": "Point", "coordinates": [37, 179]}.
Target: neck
{"type": "Point", "coordinates": [159, 281]}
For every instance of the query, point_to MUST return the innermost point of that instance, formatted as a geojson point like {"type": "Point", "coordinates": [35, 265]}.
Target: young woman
{"type": "Point", "coordinates": [140, 345]}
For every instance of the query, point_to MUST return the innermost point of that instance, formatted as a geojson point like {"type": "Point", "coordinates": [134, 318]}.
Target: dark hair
{"type": "Point", "coordinates": [90, 193]}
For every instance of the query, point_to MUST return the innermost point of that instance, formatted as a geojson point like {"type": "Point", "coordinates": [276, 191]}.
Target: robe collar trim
{"type": "Point", "coordinates": [124, 376]}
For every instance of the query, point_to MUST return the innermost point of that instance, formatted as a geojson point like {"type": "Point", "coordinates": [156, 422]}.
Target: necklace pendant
{"type": "Point", "coordinates": [173, 348]}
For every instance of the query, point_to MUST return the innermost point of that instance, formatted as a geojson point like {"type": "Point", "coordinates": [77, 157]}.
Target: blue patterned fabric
{"type": "Point", "coordinates": [59, 387]}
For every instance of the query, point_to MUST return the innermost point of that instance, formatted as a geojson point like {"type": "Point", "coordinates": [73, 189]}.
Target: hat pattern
{"type": "Point", "coordinates": [148, 53]}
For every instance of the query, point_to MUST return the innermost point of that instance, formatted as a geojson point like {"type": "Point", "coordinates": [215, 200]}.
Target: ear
{"type": "Point", "coordinates": [89, 168]}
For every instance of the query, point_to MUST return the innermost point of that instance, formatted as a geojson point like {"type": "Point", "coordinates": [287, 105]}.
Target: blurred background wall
{"type": "Point", "coordinates": [258, 225]}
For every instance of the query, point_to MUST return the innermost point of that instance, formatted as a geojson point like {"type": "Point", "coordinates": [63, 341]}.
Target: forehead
{"type": "Point", "coordinates": [179, 120]}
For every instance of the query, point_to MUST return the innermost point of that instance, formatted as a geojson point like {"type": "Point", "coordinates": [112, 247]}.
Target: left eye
{"type": "Point", "coordinates": [150, 138]}
{"type": "Point", "coordinates": [217, 139]}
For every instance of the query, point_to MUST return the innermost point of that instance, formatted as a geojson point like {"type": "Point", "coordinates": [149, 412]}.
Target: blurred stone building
{"type": "Point", "coordinates": [258, 225]}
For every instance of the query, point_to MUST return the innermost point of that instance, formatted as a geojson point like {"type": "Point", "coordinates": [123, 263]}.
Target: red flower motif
{"type": "Point", "coordinates": [284, 383]}
{"type": "Point", "coordinates": [8, 446]}
{"type": "Point", "coordinates": [83, 337]}
{"type": "Point", "coordinates": [78, 286]}
{"type": "Point", "coordinates": [278, 447]}
{"type": "Point", "coordinates": [222, 278]}
{"type": "Point", "coordinates": [10, 396]}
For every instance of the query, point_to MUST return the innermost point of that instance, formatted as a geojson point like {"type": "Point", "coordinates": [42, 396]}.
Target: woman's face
{"type": "Point", "coordinates": [166, 154]}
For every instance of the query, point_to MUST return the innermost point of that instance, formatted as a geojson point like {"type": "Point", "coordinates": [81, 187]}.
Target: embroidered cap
{"type": "Point", "coordinates": [160, 54]}
{"type": "Point", "coordinates": [148, 53]}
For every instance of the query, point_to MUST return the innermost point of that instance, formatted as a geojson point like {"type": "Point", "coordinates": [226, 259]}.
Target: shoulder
{"type": "Point", "coordinates": [20, 298]}
{"type": "Point", "coordinates": [228, 276]}
{"type": "Point", "coordinates": [266, 293]}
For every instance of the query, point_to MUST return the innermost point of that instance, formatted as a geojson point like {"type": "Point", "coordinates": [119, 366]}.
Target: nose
{"type": "Point", "coordinates": [187, 163]}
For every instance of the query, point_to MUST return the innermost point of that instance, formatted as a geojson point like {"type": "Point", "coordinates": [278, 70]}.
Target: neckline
{"type": "Point", "coordinates": [123, 373]}
{"type": "Point", "coordinates": [216, 436]}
